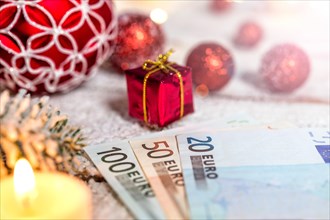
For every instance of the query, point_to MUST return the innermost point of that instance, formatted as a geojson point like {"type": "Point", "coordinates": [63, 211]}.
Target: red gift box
{"type": "Point", "coordinates": [159, 92]}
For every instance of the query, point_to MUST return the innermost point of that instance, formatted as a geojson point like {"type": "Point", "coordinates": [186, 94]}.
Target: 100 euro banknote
{"type": "Point", "coordinates": [118, 165]}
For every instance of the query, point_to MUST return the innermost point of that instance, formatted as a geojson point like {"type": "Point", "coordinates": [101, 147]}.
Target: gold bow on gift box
{"type": "Point", "coordinates": [163, 65]}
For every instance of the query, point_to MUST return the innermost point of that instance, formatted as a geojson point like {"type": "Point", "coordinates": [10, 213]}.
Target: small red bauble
{"type": "Point", "coordinates": [221, 5]}
{"type": "Point", "coordinates": [139, 39]}
{"type": "Point", "coordinates": [212, 66]}
{"type": "Point", "coordinates": [285, 68]}
{"type": "Point", "coordinates": [52, 46]}
{"type": "Point", "coordinates": [249, 34]}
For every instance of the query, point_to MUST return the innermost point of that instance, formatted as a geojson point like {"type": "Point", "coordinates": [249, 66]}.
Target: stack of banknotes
{"type": "Point", "coordinates": [232, 168]}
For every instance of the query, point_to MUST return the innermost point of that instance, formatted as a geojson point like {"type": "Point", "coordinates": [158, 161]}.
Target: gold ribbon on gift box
{"type": "Point", "coordinates": [152, 67]}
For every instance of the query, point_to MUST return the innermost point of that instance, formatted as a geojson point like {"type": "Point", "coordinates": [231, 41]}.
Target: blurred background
{"type": "Point", "coordinates": [305, 24]}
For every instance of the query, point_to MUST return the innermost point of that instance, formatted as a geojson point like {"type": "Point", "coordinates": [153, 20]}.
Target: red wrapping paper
{"type": "Point", "coordinates": [163, 100]}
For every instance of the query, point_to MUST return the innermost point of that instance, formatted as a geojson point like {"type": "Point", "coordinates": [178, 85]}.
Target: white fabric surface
{"type": "Point", "coordinates": [100, 105]}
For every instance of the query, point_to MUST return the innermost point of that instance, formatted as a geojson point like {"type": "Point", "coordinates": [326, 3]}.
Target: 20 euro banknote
{"type": "Point", "coordinates": [257, 174]}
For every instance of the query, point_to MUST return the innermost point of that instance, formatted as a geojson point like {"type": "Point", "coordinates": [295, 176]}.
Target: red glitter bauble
{"type": "Point", "coordinates": [248, 35]}
{"type": "Point", "coordinates": [285, 68]}
{"type": "Point", "coordinates": [54, 45]}
{"type": "Point", "coordinates": [212, 66]}
{"type": "Point", "coordinates": [139, 39]}
{"type": "Point", "coordinates": [221, 5]}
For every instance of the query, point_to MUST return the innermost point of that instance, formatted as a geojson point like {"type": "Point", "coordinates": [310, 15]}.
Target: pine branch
{"type": "Point", "coordinates": [34, 129]}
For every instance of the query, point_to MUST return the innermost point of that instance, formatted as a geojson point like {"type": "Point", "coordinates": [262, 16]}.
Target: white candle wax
{"type": "Point", "coordinates": [58, 196]}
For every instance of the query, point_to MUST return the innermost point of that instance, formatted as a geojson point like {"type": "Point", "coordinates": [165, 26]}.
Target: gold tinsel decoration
{"type": "Point", "coordinates": [31, 128]}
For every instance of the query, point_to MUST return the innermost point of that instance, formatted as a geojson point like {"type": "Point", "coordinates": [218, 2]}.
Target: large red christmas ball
{"type": "Point", "coordinates": [53, 45]}
{"type": "Point", "coordinates": [248, 35]}
{"type": "Point", "coordinates": [139, 39]}
{"type": "Point", "coordinates": [212, 66]}
{"type": "Point", "coordinates": [285, 68]}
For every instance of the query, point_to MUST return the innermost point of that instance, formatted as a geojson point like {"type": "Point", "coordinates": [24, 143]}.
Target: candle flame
{"type": "Point", "coordinates": [24, 182]}
{"type": "Point", "coordinates": [158, 15]}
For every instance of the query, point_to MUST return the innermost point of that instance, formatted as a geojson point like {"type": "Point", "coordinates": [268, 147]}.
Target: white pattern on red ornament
{"type": "Point", "coordinates": [49, 75]}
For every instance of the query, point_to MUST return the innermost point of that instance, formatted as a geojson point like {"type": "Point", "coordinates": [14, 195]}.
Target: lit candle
{"type": "Point", "coordinates": [43, 195]}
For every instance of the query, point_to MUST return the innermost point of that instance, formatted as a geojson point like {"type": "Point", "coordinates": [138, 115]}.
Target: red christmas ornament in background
{"type": "Point", "coordinates": [285, 68]}
{"type": "Point", "coordinates": [139, 39]}
{"type": "Point", "coordinates": [52, 45]}
{"type": "Point", "coordinates": [221, 5]}
{"type": "Point", "coordinates": [212, 66]}
{"type": "Point", "coordinates": [248, 35]}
